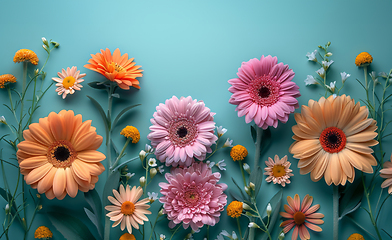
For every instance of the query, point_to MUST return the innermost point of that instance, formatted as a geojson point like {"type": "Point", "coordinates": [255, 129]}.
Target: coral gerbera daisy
{"type": "Point", "coordinates": [68, 81]}
{"type": "Point", "coordinates": [386, 172]}
{"type": "Point", "coordinates": [182, 129]}
{"type": "Point", "coordinates": [192, 196]}
{"type": "Point", "coordinates": [127, 210]}
{"type": "Point", "coordinates": [278, 170]}
{"type": "Point", "coordinates": [332, 137]}
{"type": "Point", "coordinates": [116, 68]}
{"type": "Point", "coordinates": [26, 55]}
{"type": "Point", "coordinates": [7, 78]}
{"type": "Point", "coordinates": [264, 92]}
{"type": "Point", "coordinates": [301, 216]}
{"type": "Point", "coordinates": [58, 155]}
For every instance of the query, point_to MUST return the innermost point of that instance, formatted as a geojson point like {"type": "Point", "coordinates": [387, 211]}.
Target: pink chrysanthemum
{"type": "Point", "coordinates": [386, 172]}
{"type": "Point", "coordinates": [192, 196]}
{"type": "Point", "coordinates": [278, 170]}
{"type": "Point", "coordinates": [264, 92]}
{"type": "Point", "coordinates": [182, 129]}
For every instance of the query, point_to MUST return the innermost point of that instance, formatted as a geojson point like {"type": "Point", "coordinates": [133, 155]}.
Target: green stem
{"type": "Point", "coordinates": [20, 136]}
{"type": "Point", "coordinates": [107, 228]}
{"type": "Point", "coordinates": [239, 227]}
{"type": "Point", "coordinates": [261, 219]}
{"type": "Point", "coordinates": [153, 227]}
{"type": "Point", "coordinates": [126, 162]}
{"type": "Point", "coordinates": [242, 172]}
{"type": "Point", "coordinates": [366, 82]}
{"type": "Point", "coordinates": [179, 225]}
{"type": "Point", "coordinates": [335, 212]}
{"type": "Point", "coordinates": [370, 209]}
{"type": "Point", "coordinates": [121, 154]}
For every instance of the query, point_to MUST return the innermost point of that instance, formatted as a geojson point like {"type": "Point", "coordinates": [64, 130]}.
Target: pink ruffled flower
{"type": "Point", "coordinates": [193, 197]}
{"type": "Point", "coordinates": [264, 92]}
{"type": "Point", "coordinates": [182, 129]}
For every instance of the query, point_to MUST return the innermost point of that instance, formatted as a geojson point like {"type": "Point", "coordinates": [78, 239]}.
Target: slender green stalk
{"type": "Point", "coordinates": [370, 212]}
{"type": "Point", "coordinates": [179, 225]}
{"type": "Point", "coordinates": [153, 227]}
{"type": "Point", "coordinates": [335, 212]}
{"type": "Point", "coordinates": [239, 227]}
{"type": "Point", "coordinates": [242, 172]}
{"type": "Point", "coordinates": [261, 219]}
{"type": "Point", "coordinates": [121, 154]}
{"type": "Point", "coordinates": [107, 228]}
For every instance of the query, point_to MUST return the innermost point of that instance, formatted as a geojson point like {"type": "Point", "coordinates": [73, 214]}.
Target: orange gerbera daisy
{"type": "Point", "coordinates": [116, 68]}
{"type": "Point", "coordinates": [58, 155]}
{"type": "Point", "coordinates": [127, 210]}
{"type": "Point", "coordinates": [332, 137]}
{"type": "Point", "coordinates": [26, 55]}
{"type": "Point", "coordinates": [301, 216]}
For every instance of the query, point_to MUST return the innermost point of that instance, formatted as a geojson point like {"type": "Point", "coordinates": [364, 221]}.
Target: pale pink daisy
{"type": "Point", "coordinates": [386, 172]}
{"type": "Point", "coordinates": [68, 81]}
{"type": "Point", "coordinates": [182, 129]}
{"type": "Point", "coordinates": [264, 92]}
{"type": "Point", "coordinates": [278, 170]}
{"type": "Point", "coordinates": [127, 210]}
{"type": "Point", "coordinates": [192, 196]}
{"type": "Point", "coordinates": [301, 217]}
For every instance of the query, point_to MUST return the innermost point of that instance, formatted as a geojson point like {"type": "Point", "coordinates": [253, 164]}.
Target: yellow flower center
{"type": "Point", "coordinates": [234, 209]}
{"type": "Point", "coordinates": [68, 82]}
{"type": "Point", "coordinates": [278, 170]}
{"type": "Point", "coordinates": [127, 236]}
{"type": "Point", "coordinates": [118, 67]}
{"type": "Point", "coordinates": [299, 218]}
{"type": "Point", "coordinates": [131, 132]}
{"type": "Point", "coordinates": [127, 208]}
{"type": "Point", "coordinates": [61, 154]}
{"type": "Point", "coordinates": [238, 152]}
{"type": "Point", "coordinates": [43, 233]}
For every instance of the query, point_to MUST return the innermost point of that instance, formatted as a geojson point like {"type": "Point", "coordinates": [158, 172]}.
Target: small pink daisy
{"type": "Point", "coordinates": [386, 172]}
{"type": "Point", "coordinates": [182, 129]}
{"type": "Point", "coordinates": [301, 216]}
{"type": "Point", "coordinates": [69, 80]}
{"type": "Point", "coordinates": [264, 92]}
{"type": "Point", "coordinates": [278, 170]}
{"type": "Point", "coordinates": [127, 210]}
{"type": "Point", "coordinates": [193, 197]}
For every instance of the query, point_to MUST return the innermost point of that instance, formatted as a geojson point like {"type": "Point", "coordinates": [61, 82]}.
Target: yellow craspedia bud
{"type": "Point", "coordinates": [131, 132]}
{"type": "Point", "coordinates": [356, 236]}
{"type": "Point", "coordinates": [43, 233]}
{"type": "Point", "coordinates": [234, 209]}
{"type": "Point", "coordinates": [6, 78]}
{"type": "Point", "coordinates": [26, 55]}
{"type": "Point", "coordinates": [238, 152]}
{"type": "Point", "coordinates": [363, 59]}
{"type": "Point", "coordinates": [127, 236]}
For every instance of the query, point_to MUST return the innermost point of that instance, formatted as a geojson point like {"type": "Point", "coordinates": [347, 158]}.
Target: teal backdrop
{"type": "Point", "coordinates": [192, 48]}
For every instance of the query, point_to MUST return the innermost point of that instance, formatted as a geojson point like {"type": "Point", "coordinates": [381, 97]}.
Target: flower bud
{"type": "Point", "coordinates": [129, 175]}
{"type": "Point", "coordinates": [36, 71]}
{"type": "Point", "coordinates": [160, 213]}
{"type": "Point", "coordinates": [252, 186]}
{"type": "Point", "coordinates": [45, 47]}
{"type": "Point", "coordinates": [269, 209]}
{"type": "Point", "coordinates": [246, 168]}
{"type": "Point", "coordinates": [245, 206]}
{"type": "Point", "coordinates": [281, 236]}
{"type": "Point", "coordinates": [39, 207]}
{"type": "Point", "coordinates": [38, 195]}
{"type": "Point", "coordinates": [2, 120]}
{"type": "Point", "coordinates": [7, 209]}
{"type": "Point", "coordinates": [56, 44]}
{"type": "Point", "coordinates": [44, 41]}
{"type": "Point", "coordinates": [142, 181]}
{"type": "Point", "coordinates": [328, 44]}
{"type": "Point", "coordinates": [247, 190]}
{"type": "Point", "coordinates": [153, 172]}
{"type": "Point", "coordinates": [43, 76]}
{"type": "Point", "coordinates": [328, 54]}
{"type": "Point", "coordinates": [253, 225]}
{"type": "Point", "coordinates": [234, 236]}
{"type": "Point", "coordinates": [142, 155]}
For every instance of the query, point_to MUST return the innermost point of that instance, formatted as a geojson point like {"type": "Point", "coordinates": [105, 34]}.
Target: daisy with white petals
{"type": "Point", "coordinates": [68, 81]}
{"type": "Point", "coordinates": [278, 170]}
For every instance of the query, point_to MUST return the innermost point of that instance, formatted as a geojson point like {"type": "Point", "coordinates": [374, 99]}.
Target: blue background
{"type": "Point", "coordinates": [193, 48]}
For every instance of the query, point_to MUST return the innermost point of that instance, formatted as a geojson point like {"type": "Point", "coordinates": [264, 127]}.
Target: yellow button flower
{"type": "Point", "coordinates": [234, 209]}
{"type": "Point", "coordinates": [131, 132]}
{"type": "Point", "coordinates": [238, 152]}
{"type": "Point", "coordinates": [43, 233]}
{"type": "Point", "coordinates": [363, 59]}
{"type": "Point", "coordinates": [26, 55]}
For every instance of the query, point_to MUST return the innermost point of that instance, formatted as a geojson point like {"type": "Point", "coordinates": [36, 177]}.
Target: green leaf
{"type": "Point", "coordinates": [256, 177]}
{"type": "Point", "coordinates": [70, 227]}
{"type": "Point", "coordinates": [94, 201]}
{"type": "Point", "coordinates": [253, 132]}
{"type": "Point", "coordinates": [116, 95]}
{"type": "Point", "coordinates": [111, 183]}
{"type": "Point", "coordinates": [351, 199]}
{"type": "Point", "coordinates": [93, 218]}
{"type": "Point", "coordinates": [8, 198]}
{"type": "Point", "coordinates": [235, 196]}
{"type": "Point", "coordinates": [242, 193]}
{"type": "Point", "coordinates": [122, 113]}
{"type": "Point", "coordinates": [276, 203]}
{"type": "Point", "coordinates": [265, 140]}
{"type": "Point", "coordinates": [97, 85]}
{"type": "Point", "coordinates": [103, 115]}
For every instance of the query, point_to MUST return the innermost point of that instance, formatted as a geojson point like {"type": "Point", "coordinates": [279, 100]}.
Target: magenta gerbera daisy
{"type": "Point", "coordinates": [264, 92]}
{"type": "Point", "coordinates": [182, 129]}
{"type": "Point", "coordinates": [192, 196]}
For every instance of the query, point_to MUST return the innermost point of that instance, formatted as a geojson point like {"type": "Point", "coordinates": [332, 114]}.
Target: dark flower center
{"type": "Point", "coordinates": [333, 140]}
{"type": "Point", "coordinates": [61, 153]}
{"type": "Point", "coordinates": [182, 132]}
{"type": "Point", "coordinates": [299, 218]}
{"type": "Point", "coordinates": [264, 92]}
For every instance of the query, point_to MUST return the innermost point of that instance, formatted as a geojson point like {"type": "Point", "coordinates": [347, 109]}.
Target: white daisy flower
{"type": "Point", "coordinates": [152, 162]}
{"type": "Point", "coordinates": [344, 76]}
{"type": "Point", "coordinates": [312, 56]}
{"type": "Point", "coordinates": [310, 80]}
{"type": "Point", "coordinates": [152, 196]}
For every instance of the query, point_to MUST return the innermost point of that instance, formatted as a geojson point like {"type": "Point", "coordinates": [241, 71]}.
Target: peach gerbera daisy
{"type": "Point", "coordinates": [116, 68]}
{"type": "Point", "coordinates": [301, 217]}
{"type": "Point", "coordinates": [58, 155]}
{"type": "Point", "coordinates": [127, 210]}
{"type": "Point", "coordinates": [332, 137]}
{"type": "Point", "coordinates": [26, 55]}
{"type": "Point", "coordinates": [278, 170]}
{"type": "Point", "coordinates": [386, 172]}
{"type": "Point", "coordinates": [68, 81]}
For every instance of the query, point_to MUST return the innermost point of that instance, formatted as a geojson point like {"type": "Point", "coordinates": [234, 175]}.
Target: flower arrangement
{"type": "Point", "coordinates": [335, 138]}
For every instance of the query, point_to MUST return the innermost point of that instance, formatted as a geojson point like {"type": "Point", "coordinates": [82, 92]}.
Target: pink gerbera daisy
{"type": "Point", "coordinates": [386, 172]}
{"type": "Point", "coordinates": [192, 196]}
{"type": "Point", "coordinates": [68, 81]}
{"type": "Point", "coordinates": [301, 216]}
{"type": "Point", "coordinates": [264, 92]}
{"type": "Point", "coordinates": [278, 170]}
{"type": "Point", "coordinates": [182, 129]}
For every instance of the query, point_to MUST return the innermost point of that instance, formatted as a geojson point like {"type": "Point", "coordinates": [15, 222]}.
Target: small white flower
{"type": "Point", "coordinates": [228, 143]}
{"type": "Point", "coordinates": [310, 80]}
{"type": "Point", "coordinates": [220, 237]}
{"type": "Point", "coordinates": [152, 162]}
{"type": "Point", "coordinates": [152, 196]}
{"type": "Point", "coordinates": [326, 64]}
{"type": "Point", "coordinates": [162, 237]}
{"type": "Point", "coordinates": [129, 175]}
{"type": "Point", "coordinates": [234, 236]}
{"type": "Point", "coordinates": [142, 155]}
{"type": "Point", "coordinates": [2, 120]}
{"type": "Point", "coordinates": [281, 236]}
{"type": "Point", "coordinates": [384, 75]}
{"type": "Point", "coordinates": [332, 86]}
{"type": "Point", "coordinates": [210, 164]}
{"type": "Point", "coordinates": [221, 131]}
{"type": "Point", "coordinates": [160, 169]}
{"type": "Point", "coordinates": [225, 233]}
{"type": "Point", "coordinates": [374, 77]}
{"type": "Point", "coordinates": [312, 56]}
{"type": "Point", "coordinates": [344, 76]}
{"type": "Point", "coordinates": [221, 165]}
{"type": "Point", "coordinates": [148, 149]}
{"type": "Point", "coordinates": [142, 181]}
{"type": "Point", "coordinates": [321, 72]}
{"type": "Point", "coordinates": [269, 209]}
{"type": "Point", "coordinates": [334, 96]}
